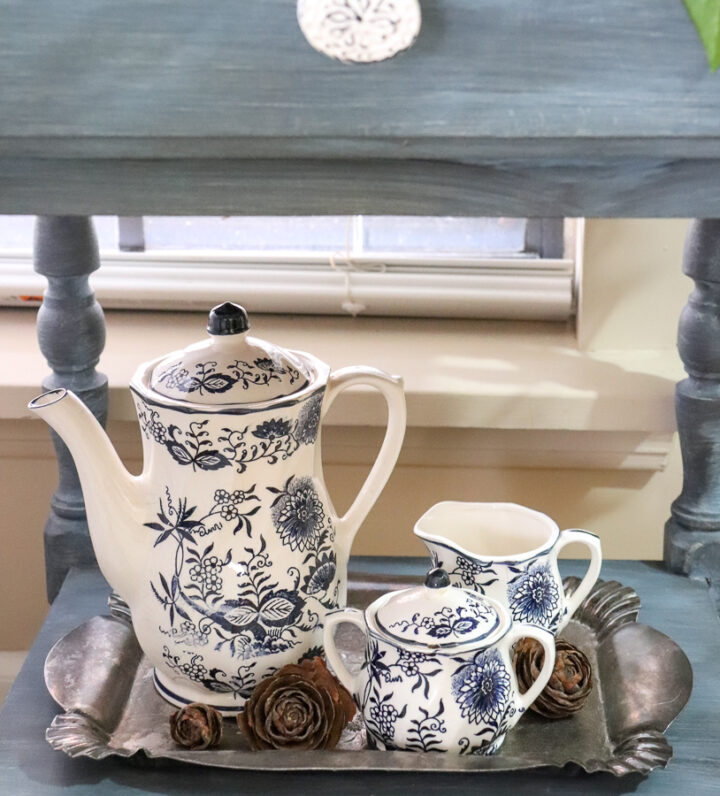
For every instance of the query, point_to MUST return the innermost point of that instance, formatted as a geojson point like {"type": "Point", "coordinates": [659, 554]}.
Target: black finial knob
{"type": "Point", "coordinates": [437, 579]}
{"type": "Point", "coordinates": [228, 318]}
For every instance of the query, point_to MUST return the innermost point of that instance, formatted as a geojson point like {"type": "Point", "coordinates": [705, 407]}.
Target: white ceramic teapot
{"type": "Point", "coordinates": [227, 547]}
{"type": "Point", "coordinates": [438, 674]}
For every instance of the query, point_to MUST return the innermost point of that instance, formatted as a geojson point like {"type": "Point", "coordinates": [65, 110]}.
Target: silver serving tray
{"type": "Point", "coordinates": [99, 676]}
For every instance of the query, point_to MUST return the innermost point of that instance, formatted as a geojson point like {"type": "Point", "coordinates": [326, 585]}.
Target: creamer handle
{"type": "Point", "coordinates": [391, 388]}
{"type": "Point", "coordinates": [351, 681]}
{"type": "Point", "coordinates": [592, 542]}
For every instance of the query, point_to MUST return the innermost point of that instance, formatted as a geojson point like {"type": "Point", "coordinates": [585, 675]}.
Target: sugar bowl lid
{"type": "Point", "coordinates": [230, 367]}
{"type": "Point", "coordinates": [438, 615]}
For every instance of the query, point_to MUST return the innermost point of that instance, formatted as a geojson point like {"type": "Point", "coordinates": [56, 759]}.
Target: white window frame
{"type": "Point", "coordinates": [331, 282]}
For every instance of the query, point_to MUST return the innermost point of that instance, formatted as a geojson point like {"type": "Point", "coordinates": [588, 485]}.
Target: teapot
{"type": "Point", "coordinates": [437, 674]}
{"type": "Point", "coordinates": [227, 548]}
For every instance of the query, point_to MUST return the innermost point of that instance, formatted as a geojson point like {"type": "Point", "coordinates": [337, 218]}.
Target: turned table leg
{"type": "Point", "coordinates": [71, 333]}
{"type": "Point", "coordinates": [692, 534]}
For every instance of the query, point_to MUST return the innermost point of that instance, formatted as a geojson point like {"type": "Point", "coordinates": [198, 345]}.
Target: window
{"type": "Point", "coordinates": [374, 265]}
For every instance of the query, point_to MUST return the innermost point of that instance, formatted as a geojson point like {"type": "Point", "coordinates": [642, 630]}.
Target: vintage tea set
{"type": "Point", "coordinates": [233, 560]}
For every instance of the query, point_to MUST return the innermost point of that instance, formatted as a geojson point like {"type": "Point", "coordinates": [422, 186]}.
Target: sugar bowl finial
{"type": "Point", "coordinates": [437, 578]}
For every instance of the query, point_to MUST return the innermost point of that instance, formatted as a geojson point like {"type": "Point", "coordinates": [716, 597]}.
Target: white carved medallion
{"type": "Point", "coordinates": [360, 31]}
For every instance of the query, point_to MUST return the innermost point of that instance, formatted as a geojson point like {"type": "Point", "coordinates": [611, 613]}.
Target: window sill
{"type": "Point", "coordinates": [481, 375]}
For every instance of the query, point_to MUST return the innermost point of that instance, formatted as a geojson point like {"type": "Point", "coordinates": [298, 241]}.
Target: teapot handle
{"type": "Point", "coordinates": [391, 388]}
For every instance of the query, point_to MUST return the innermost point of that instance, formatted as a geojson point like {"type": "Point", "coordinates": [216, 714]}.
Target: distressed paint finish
{"type": "Point", "coordinates": [71, 333]}
{"type": "Point", "coordinates": [533, 108]}
{"type": "Point", "coordinates": [480, 69]}
{"type": "Point", "coordinates": [611, 187]}
{"type": "Point", "coordinates": [692, 535]}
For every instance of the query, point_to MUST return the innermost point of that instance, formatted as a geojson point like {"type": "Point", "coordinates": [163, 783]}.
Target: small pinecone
{"type": "Point", "coordinates": [569, 685]}
{"type": "Point", "coordinates": [196, 726]}
{"type": "Point", "coordinates": [299, 707]}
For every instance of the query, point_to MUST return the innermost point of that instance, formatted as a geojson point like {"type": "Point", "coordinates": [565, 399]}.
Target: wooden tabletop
{"type": "Point", "coordinates": [541, 107]}
{"type": "Point", "coordinates": [677, 606]}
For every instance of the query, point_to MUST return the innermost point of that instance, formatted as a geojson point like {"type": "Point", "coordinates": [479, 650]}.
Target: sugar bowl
{"type": "Point", "coordinates": [438, 672]}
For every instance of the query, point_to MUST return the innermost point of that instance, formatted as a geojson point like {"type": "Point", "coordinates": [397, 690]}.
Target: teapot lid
{"type": "Point", "coordinates": [231, 367]}
{"type": "Point", "coordinates": [438, 615]}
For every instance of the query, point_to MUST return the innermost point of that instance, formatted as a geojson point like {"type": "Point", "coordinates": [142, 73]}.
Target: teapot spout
{"type": "Point", "coordinates": [108, 488]}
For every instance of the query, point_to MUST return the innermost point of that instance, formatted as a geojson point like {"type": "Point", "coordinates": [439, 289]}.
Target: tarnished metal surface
{"type": "Point", "coordinates": [98, 675]}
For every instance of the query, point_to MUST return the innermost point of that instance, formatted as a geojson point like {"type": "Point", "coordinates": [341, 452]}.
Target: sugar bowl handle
{"type": "Point", "coordinates": [351, 681]}
{"type": "Point", "coordinates": [391, 388]}
{"type": "Point", "coordinates": [547, 639]}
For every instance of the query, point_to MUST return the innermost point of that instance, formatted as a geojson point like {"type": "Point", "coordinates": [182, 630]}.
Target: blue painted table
{"type": "Point", "coordinates": [678, 606]}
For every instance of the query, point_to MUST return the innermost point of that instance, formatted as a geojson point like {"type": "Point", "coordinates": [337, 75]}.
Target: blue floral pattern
{"type": "Point", "coordinates": [385, 665]}
{"type": "Point", "coordinates": [273, 429]}
{"type": "Point", "coordinates": [424, 733]}
{"type": "Point", "coordinates": [534, 597]}
{"type": "Point", "coordinates": [188, 634]}
{"type": "Point", "coordinates": [240, 684]}
{"type": "Point", "coordinates": [482, 688]}
{"type": "Point", "coordinates": [308, 422]}
{"type": "Point", "coordinates": [241, 606]}
{"type": "Point", "coordinates": [467, 747]}
{"type": "Point", "coordinates": [532, 588]}
{"type": "Point", "coordinates": [324, 570]}
{"type": "Point", "coordinates": [382, 717]}
{"type": "Point", "coordinates": [208, 378]}
{"type": "Point", "coordinates": [418, 666]}
{"type": "Point", "coordinates": [313, 652]}
{"type": "Point", "coordinates": [481, 691]}
{"type": "Point", "coordinates": [298, 513]}
{"type": "Point", "coordinates": [448, 623]}
{"type": "Point", "coordinates": [273, 440]}
{"type": "Point", "coordinates": [472, 574]}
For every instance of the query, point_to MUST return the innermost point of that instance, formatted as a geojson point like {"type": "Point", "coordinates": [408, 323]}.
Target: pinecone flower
{"type": "Point", "coordinates": [569, 685]}
{"type": "Point", "coordinates": [301, 706]}
{"type": "Point", "coordinates": [196, 726]}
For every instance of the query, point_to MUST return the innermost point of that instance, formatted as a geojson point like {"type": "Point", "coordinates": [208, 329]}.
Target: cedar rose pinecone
{"type": "Point", "coordinates": [196, 726]}
{"type": "Point", "coordinates": [569, 685]}
{"type": "Point", "coordinates": [299, 707]}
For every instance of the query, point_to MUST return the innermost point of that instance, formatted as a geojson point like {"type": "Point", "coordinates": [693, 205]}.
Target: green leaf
{"type": "Point", "coordinates": [706, 16]}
